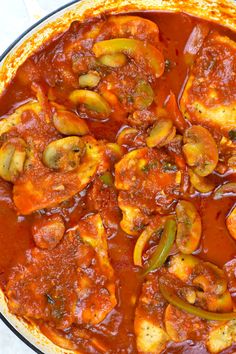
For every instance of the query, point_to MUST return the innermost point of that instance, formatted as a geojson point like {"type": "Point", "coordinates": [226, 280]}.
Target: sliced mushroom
{"type": "Point", "coordinates": [231, 223]}
{"type": "Point", "coordinates": [189, 227]}
{"type": "Point", "coordinates": [171, 294]}
{"type": "Point", "coordinates": [215, 303]}
{"type": "Point", "coordinates": [64, 154]}
{"type": "Point", "coordinates": [126, 135]}
{"type": "Point", "coordinates": [143, 95]}
{"type": "Point", "coordinates": [189, 294]}
{"type": "Point", "coordinates": [133, 219]}
{"type": "Point", "coordinates": [155, 227]}
{"type": "Point", "coordinates": [145, 54]}
{"type": "Point", "coordinates": [182, 266]}
{"type": "Point", "coordinates": [210, 298]}
{"type": "Point", "coordinates": [209, 278]}
{"type": "Point", "coordinates": [212, 281]}
{"type": "Point", "coordinates": [115, 151]}
{"type": "Point", "coordinates": [92, 100]}
{"type": "Point", "coordinates": [162, 133]}
{"type": "Point", "coordinates": [68, 123]}
{"type": "Point", "coordinates": [90, 80]}
{"type": "Point", "coordinates": [201, 184]}
{"type": "Point", "coordinates": [12, 159]}
{"type": "Point", "coordinates": [200, 150]}
{"type": "Point", "coordinates": [181, 326]}
{"type": "Point", "coordinates": [115, 60]}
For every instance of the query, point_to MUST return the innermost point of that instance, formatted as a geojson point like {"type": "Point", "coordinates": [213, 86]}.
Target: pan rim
{"type": "Point", "coordinates": [33, 26]}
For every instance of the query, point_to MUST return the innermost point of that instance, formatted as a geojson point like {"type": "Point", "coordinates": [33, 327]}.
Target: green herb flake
{"type": "Point", "coordinates": [58, 313]}
{"type": "Point", "coordinates": [232, 134]}
{"type": "Point", "coordinates": [167, 65]}
{"type": "Point", "coordinates": [139, 227]}
{"type": "Point", "coordinates": [150, 166]}
{"type": "Point", "coordinates": [169, 167]}
{"type": "Point", "coordinates": [157, 233]}
{"type": "Point", "coordinates": [50, 300]}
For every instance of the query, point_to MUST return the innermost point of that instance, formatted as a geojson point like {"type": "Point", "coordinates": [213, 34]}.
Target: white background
{"type": "Point", "coordinates": [15, 19]}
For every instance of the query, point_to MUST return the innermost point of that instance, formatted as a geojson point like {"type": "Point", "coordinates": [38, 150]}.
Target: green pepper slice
{"type": "Point", "coordinates": [138, 50]}
{"type": "Point", "coordinates": [163, 249]}
{"type": "Point", "coordinates": [169, 295]}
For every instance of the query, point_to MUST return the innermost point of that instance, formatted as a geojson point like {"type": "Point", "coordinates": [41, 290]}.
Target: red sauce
{"type": "Point", "coordinates": [46, 67]}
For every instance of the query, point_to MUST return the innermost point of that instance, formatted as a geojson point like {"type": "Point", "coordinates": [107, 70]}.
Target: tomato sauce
{"type": "Point", "coordinates": [115, 334]}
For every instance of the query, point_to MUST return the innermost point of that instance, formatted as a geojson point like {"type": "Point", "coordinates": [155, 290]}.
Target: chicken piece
{"type": "Point", "coordinates": [102, 198]}
{"type": "Point", "coordinates": [40, 187]}
{"type": "Point", "coordinates": [72, 283]}
{"type": "Point", "coordinates": [130, 27]}
{"type": "Point", "coordinates": [9, 122]}
{"type": "Point", "coordinates": [157, 322]}
{"type": "Point", "coordinates": [230, 271]}
{"type": "Point", "coordinates": [149, 177]}
{"type": "Point", "coordinates": [151, 336]}
{"type": "Point", "coordinates": [182, 326]}
{"type": "Point", "coordinates": [222, 337]}
{"type": "Point", "coordinates": [95, 287]}
{"type": "Point", "coordinates": [142, 120]}
{"type": "Point", "coordinates": [206, 276]}
{"type": "Point", "coordinates": [209, 97]}
{"type": "Point", "coordinates": [182, 266]}
{"type": "Point", "coordinates": [80, 340]}
{"type": "Point", "coordinates": [48, 231]}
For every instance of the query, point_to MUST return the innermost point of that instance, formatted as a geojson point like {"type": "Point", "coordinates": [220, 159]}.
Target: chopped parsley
{"type": "Point", "coordinates": [167, 65]}
{"type": "Point", "coordinates": [232, 134]}
{"type": "Point", "coordinates": [169, 167]}
{"type": "Point", "coordinates": [150, 166]}
{"type": "Point", "coordinates": [50, 300]}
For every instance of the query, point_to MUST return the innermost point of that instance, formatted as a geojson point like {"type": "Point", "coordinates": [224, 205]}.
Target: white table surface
{"type": "Point", "coordinates": [15, 19]}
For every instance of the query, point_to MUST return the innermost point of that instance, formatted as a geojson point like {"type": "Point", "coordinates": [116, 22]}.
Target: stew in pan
{"type": "Point", "coordinates": [118, 185]}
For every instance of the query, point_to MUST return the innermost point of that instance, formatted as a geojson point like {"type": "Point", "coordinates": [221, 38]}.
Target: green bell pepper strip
{"type": "Point", "coordinates": [169, 295]}
{"type": "Point", "coordinates": [163, 249]}
{"type": "Point", "coordinates": [138, 50]}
